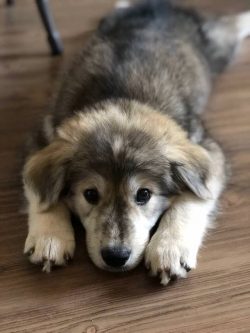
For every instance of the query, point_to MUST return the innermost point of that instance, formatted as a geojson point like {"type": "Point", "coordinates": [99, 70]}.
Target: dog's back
{"type": "Point", "coordinates": [152, 52]}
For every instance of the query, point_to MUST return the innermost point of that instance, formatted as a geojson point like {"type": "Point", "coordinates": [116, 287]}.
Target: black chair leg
{"type": "Point", "coordinates": [47, 19]}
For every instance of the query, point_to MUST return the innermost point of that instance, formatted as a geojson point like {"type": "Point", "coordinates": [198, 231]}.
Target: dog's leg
{"type": "Point", "coordinates": [173, 249]}
{"type": "Point", "coordinates": [50, 239]}
{"type": "Point", "coordinates": [223, 36]}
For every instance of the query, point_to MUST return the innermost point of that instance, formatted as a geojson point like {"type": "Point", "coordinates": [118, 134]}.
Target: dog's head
{"type": "Point", "coordinates": [119, 168]}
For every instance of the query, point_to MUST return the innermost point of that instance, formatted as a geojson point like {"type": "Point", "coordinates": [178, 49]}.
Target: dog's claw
{"type": "Point", "coordinates": [67, 257]}
{"type": "Point", "coordinates": [47, 265]}
{"type": "Point", "coordinates": [147, 265]}
{"type": "Point", "coordinates": [186, 267]}
{"type": "Point", "coordinates": [29, 252]}
{"type": "Point", "coordinates": [165, 278]}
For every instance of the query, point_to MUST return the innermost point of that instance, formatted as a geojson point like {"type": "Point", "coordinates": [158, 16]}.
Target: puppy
{"type": "Point", "coordinates": [124, 147]}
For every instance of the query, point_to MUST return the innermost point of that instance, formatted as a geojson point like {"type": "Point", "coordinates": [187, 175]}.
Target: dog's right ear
{"type": "Point", "coordinates": [45, 172]}
{"type": "Point", "coordinates": [190, 169]}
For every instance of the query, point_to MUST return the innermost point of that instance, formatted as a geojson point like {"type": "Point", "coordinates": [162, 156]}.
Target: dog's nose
{"type": "Point", "coordinates": [115, 256]}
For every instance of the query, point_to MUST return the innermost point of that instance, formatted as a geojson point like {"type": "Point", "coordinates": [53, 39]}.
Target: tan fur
{"type": "Point", "coordinates": [122, 123]}
{"type": "Point", "coordinates": [162, 128]}
{"type": "Point", "coordinates": [42, 165]}
{"type": "Point", "coordinates": [51, 236]}
{"type": "Point", "coordinates": [172, 139]}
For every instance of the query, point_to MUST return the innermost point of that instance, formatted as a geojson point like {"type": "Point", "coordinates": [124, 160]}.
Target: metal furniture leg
{"type": "Point", "coordinates": [48, 22]}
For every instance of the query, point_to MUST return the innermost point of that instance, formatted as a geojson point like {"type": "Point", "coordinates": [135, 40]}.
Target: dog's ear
{"type": "Point", "coordinates": [190, 169]}
{"type": "Point", "coordinates": [45, 171]}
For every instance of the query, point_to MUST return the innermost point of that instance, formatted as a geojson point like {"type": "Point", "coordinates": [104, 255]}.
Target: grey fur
{"type": "Point", "coordinates": [153, 54]}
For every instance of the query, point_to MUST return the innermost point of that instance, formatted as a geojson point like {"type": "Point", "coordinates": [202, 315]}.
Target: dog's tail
{"type": "Point", "coordinates": [223, 36]}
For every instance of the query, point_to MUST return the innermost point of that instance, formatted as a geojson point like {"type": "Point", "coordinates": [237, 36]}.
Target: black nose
{"type": "Point", "coordinates": [115, 256]}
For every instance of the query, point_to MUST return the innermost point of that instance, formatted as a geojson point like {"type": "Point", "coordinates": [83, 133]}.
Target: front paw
{"type": "Point", "coordinates": [169, 258]}
{"type": "Point", "coordinates": [49, 249]}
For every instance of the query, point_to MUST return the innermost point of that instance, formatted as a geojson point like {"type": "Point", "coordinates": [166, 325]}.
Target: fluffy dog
{"type": "Point", "coordinates": [124, 147]}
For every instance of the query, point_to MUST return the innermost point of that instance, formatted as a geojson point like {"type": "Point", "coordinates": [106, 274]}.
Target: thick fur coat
{"type": "Point", "coordinates": [124, 145]}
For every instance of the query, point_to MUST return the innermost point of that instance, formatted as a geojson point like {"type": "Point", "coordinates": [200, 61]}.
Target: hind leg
{"type": "Point", "coordinates": [223, 36]}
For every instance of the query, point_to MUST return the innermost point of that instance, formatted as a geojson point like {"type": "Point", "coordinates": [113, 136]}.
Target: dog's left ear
{"type": "Point", "coordinates": [191, 168]}
{"type": "Point", "coordinates": [44, 173]}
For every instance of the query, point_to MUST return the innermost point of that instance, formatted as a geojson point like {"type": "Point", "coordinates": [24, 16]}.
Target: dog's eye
{"type": "Point", "coordinates": [92, 196]}
{"type": "Point", "coordinates": [142, 196]}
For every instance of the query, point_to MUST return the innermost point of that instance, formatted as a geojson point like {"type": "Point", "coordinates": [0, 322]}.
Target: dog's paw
{"type": "Point", "coordinates": [50, 247]}
{"type": "Point", "coordinates": [49, 250]}
{"type": "Point", "coordinates": [169, 258]}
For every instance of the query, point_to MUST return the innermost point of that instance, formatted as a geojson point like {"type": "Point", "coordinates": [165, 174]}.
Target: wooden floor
{"type": "Point", "coordinates": [81, 298]}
